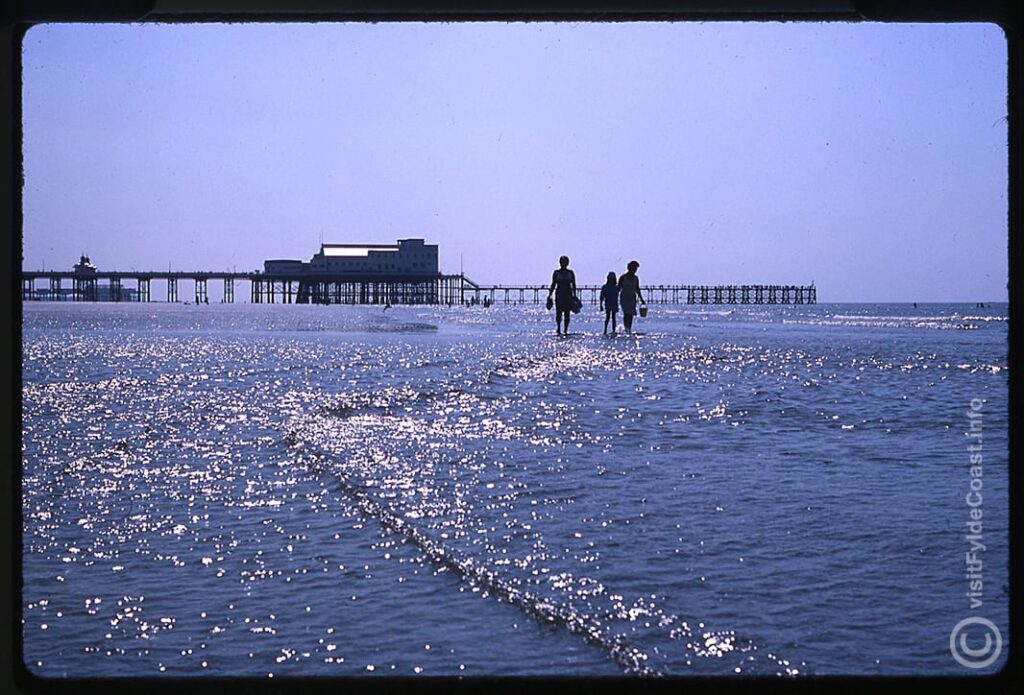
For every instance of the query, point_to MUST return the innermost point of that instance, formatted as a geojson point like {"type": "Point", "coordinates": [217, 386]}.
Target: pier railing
{"type": "Point", "coordinates": [371, 289]}
{"type": "Point", "coordinates": [661, 294]}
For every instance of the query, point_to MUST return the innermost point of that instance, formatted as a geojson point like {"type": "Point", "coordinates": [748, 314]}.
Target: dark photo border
{"type": "Point", "coordinates": [13, 674]}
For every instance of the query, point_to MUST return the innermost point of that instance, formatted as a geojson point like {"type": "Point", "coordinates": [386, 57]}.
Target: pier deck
{"type": "Point", "coordinates": [372, 289]}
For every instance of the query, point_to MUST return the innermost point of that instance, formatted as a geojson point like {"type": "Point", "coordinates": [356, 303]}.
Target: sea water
{"type": "Point", "coordinates": [275, 491]}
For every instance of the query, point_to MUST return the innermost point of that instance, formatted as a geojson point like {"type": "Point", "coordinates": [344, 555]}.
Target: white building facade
{"type": "Point", "coordinates": [406, 257]}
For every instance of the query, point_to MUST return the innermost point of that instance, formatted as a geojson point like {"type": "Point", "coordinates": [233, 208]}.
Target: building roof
{"type": "Point", "coordinates": [354, 250]}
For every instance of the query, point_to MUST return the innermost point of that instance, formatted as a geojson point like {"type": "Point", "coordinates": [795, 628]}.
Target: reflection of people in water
{"type": "Point", "coordinates": [610, 301]}
{"type": "Point", "coordinates": [629, 292]}
{"type": "Point", "coordinates": [563, 285]}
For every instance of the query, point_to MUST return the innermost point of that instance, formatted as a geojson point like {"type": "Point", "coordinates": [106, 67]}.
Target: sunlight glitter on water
{"type": "Point", "coordinates": [655, 497]}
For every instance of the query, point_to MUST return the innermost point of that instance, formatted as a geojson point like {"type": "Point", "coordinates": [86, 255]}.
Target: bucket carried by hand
{"type": "Point", "coordinates": [643, 311]}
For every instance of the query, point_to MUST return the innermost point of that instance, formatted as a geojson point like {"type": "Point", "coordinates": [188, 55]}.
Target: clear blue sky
{"type": "Point", "coordinates": [868, 158]}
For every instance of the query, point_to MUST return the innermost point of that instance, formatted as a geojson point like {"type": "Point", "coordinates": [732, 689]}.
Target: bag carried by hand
{"type": "Point", "coordinates": [549, 303]}
{"type": "Point", "coordinates": [576, 305]}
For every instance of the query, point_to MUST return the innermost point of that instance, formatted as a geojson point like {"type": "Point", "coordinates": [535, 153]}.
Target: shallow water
{"type": "Point", "coordinates": [310, 490]}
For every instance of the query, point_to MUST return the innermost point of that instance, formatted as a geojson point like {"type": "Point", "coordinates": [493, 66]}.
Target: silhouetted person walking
{"type": "Point", "coordinates": [629, 292]}
{"type": "Point", "coordinates": [610, 301]}
{"type": "Point", "coordinates": [563, 285]}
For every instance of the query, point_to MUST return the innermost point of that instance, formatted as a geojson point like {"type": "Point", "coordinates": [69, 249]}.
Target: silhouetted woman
{"type": "Point", "coordinates": [610, 302]}
{"type": "Point", "coordinates": [563, 285]}
{"type": "Point", "coordinates": [629, 292]}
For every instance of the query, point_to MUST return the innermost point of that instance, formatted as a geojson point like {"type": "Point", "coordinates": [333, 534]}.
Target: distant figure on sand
{"type": "Point", "coordinates": [629, 292]}
{"type": "Point", "coordinates": [610, 301]}
{"type": "Point", "coordinates": [563, 285]}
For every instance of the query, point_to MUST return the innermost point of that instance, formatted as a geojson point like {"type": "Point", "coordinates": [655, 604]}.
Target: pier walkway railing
{"type": "Point", "coordinates": [372, 289]}
{"type": "Point", "coordinates": [662, 294]}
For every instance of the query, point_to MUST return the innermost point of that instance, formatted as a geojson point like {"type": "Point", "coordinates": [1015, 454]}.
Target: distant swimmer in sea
{"type": "Point", "coordinates": [563, 285]}
{"type": "Point", "coordinates": [610, 301]}
{"type": "Point", "coordinates": [629, 292]}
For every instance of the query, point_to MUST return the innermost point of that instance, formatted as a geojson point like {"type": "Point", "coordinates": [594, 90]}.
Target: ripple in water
{"type": "Point", "coordinates": [440, 469]}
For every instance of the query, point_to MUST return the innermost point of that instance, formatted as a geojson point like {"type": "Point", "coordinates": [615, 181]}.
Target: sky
{"type": "Point", "coordinates": [867, 158]}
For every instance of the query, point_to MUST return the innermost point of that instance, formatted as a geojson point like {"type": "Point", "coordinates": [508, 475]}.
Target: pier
{"type": "Point", "coordinates": [406, 272]}
{"type": "Point", "coordinates": [660, 294]}
{"type": "Point", "coordinates": [136, 286]}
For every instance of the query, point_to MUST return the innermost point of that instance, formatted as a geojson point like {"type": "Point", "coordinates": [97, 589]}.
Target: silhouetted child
{"type": "Point", "coordinates": [610, 301]}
